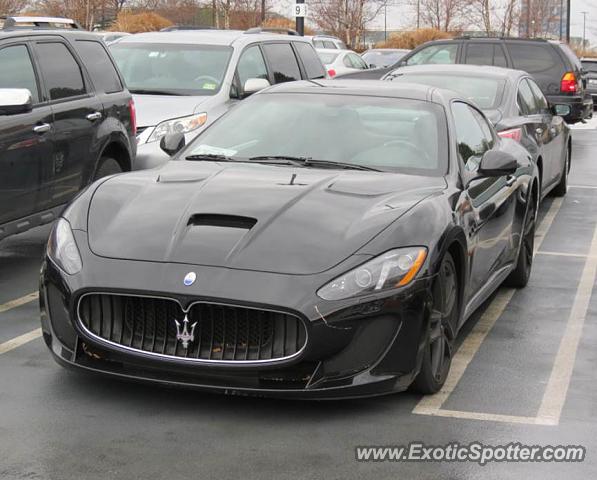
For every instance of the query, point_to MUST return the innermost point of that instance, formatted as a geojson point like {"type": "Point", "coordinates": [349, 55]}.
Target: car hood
{"type": "Point", "coordinates": [248, 216]}
{"type": "Point", "coordinates": [153, 109]}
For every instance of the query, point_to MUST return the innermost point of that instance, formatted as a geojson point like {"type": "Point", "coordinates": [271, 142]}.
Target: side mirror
{"type": "Point", "coordinates": [496, 163]}
{"type": "Point", "coordinates": [172, 143]}
{"type": "Point", "coordinates": [561, 110]}
{"type": "Point", "coordinates": [372, 65]}
{"type": "Point", "coordinates": [15, 100]}
{"type": "Point", "coordinates": [254, 85]}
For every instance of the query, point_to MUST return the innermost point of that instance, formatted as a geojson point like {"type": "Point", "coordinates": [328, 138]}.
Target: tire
{"type": "Point", "coordinates": [562, 187]}
{"type": "Point", "coordinates": [437, 357]}
{"type": "Point", "coordinates": [107, 166]}
{"type": "Point", "coordinates": [519, 277]}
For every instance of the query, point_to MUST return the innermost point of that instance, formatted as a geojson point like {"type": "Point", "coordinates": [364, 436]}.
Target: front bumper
{"type": "Point", "coordinates": [353, 350]}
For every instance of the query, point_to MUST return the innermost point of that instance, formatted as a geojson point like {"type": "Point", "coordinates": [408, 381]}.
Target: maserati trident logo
{"type": "Point", "coordinates": [182, 334]}
{"type": "Point", "coordinates": [189, 279]}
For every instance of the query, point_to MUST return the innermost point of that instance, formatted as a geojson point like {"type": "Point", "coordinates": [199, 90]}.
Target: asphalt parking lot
{"type": "Point", "coordinates": [524, 372]}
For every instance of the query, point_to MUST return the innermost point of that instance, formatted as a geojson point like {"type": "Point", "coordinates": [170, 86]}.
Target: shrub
{"type": "Point", "coordinates": [413, 39]}
{"type": "Point", "coordinates": [139, 22]}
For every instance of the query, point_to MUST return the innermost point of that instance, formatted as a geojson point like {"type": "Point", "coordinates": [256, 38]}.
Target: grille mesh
{"type": "Point", "coordinates": [221, 332]}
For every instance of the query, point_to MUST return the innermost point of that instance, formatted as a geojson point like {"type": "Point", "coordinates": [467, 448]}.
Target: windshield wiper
{"type": "Point", "coordinates": [332, 164]}
{"type": "Point", "coordinates": [210, 157]}
{"type": "Point", "coordinates": [151, 91]}
{"type": "Point", "coordinates": [308, 161]}
{"type": "Point", "coordinates": [287, 159]}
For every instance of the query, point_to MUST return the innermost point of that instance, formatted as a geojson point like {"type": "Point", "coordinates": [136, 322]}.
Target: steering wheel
{"type": "Point", "coordinates": [418, 152]}
{"type": "Point", "coordinates": [206, 77]}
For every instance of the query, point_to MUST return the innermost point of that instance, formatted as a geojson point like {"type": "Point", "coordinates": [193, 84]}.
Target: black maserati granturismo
{"type": "Point", "coordinates": [321, 240]}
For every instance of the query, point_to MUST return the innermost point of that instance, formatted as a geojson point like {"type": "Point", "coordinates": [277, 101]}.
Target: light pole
{"type": "Point", "coordinates": [385, 21]}
{"type": "Point", "coordinates": [584, 29]}
{"type": "Point", "coordinates": [561, 19]}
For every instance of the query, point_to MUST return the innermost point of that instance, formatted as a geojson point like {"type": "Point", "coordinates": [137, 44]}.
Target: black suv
{"type": "Point", "coordinates": [66, 119]}
{"type": "Point", "coordinates": [553, 65]}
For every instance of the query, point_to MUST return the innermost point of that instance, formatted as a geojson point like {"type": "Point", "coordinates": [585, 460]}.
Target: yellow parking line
{"type": "Point", "coordinates": [431, 404]}
{"type": "Point", "coordinates": [561, 374]}
{"type": "Point", "coordinates": [19, 341]}
{"type": "Point", "coordinates": [19, 301]}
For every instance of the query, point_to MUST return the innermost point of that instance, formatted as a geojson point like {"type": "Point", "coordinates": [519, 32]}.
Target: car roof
{"type": "Point", "coordinates": [372, 88]}
{"type": "Point", "coordinates": [472, 70]}
{"type": "Point", "coordinates": [24, 32]}
{"type": "Point", "coordinates": [333, 50]}
{"type": "Point", "coordinates": [207, 37]}
{"type": "Point", "coordinates": [387, 50]}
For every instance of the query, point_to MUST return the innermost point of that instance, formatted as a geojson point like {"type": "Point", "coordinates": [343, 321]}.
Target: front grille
{"type": "Point", "coordinates": [221, 332]}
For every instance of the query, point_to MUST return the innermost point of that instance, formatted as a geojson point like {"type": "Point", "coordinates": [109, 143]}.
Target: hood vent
{"type": "Point", "coordinates": [226, 221]}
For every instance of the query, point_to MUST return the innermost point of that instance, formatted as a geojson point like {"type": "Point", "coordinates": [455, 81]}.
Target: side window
{"type": "Point", "coordinates": [471, 135]}
{"type": "Point", "coordinates": [499, 57]}
{"type": "Point", "coordinates": [282, 62]}
{"type": "Point", "coordinates": [358, 62]}
{"type": "Point", "coordinates": [17, 70]}
{"type": "Point", "coordinates": [251, 65]}
{"type": "Point", "coordinates": [536, 58]}
{"type": "Point", "coordinates": [435, 54]}
{"type": "Point", "coordinates": [318, 44]}
{"type": "Point", "coordinates": [311, 62]}
{"type": "Point", "coordinates": [479, 54]}
{"type": "Point", "coordinates": [329, 44]}
{"type": "Point", "coordinates": [346, 61]}
{"type": "Point", "coordinates": [485, 54]}
{"type": "Point", "coordinates": [100, 66]}
{"type": "Point", "coordinates": [526, 99]}
{"type": "Point", "coordinates": [540, 100]}
{"type": "Point", "coordinates": [61, 72]}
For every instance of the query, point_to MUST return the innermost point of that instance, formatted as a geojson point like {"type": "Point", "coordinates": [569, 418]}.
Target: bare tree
{"type": "Point", "coordinates": [482, 13]}
{"type": "Point", "coordinates": [346, 19]}
{"type": "Point", "coordinates": [443, 15]}
{"type": "Point", "coordinates": [508, 17]}
{"type": "Point", "coordinates": [9, 7]}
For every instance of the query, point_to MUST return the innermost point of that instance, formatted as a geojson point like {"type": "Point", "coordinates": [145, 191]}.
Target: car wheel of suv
{"type": "Point", "coordinates": [521, 274]}
{"type": "Point", "coordinates": [562, 187]}
{"type": "Point", "coordinates": [107, 166]}
{"type": "Point", "coordinates": [437, 357]}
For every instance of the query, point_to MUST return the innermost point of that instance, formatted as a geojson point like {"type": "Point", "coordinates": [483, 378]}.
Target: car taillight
{"type": "Point", "coordinates": [332, 72]}
{"type": "Point", "coordinates": [568, 83]}
{"type": "Point", "coordinates": [133, 113]}
{"type": "Point", "coordinates": [513, 133]}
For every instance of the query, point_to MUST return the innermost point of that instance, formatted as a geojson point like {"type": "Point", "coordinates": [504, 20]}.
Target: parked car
{"type": "Point", "coordinates": [66, 119]}
{"type": "Point", "coordinates": [29, 22]}
{"type": "Point", "coordinates": [328, 42]}
{"type": "Point", "coordinates": [110, 37]}
{"type": "Point", "coordinates": [183, 80]}
{"type": "Point", "coordinates": [340, 62]}
{"type": "Point", "coordinates": [514, 103]}
{"type": "Point", "coordinates": [320, 240]}
{"type": "Point", "coordinates": [589, 65]}
{"type": "Point", "coordinates": [383, 57]}
{"type": "Point", "coordinates": [553, 65]}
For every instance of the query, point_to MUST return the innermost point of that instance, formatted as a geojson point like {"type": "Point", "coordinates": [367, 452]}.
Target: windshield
{"type": "Point", "coordinates": [408, 136]}
{"type": "Point", "coordinates": [327, 58]}
{"type": "Point", "coordinates": [382, 59]}
{"type": "Point", "coordinates": [485, 92]}
{"type": "Point", "coordinates": [172, 69]}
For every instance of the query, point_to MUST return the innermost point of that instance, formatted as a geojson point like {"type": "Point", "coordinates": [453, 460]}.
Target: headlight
{"type": "Point", "coordinates": [62, 248]}
{"type": "Point", "coordinates": [178, 125]}
{"type": "Point", "coordinates": [393, 269]}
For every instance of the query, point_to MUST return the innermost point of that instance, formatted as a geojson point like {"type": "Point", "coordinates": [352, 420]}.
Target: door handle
{"type": "Point", "coordinates": [92, 117]}
{"type": "Point", "coordinates": [42, 128]}
{"type": "Point", "coordinates": [510, 180]}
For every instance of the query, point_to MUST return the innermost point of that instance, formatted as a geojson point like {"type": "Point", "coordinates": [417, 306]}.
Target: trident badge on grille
{"type": "Point", "coordinates": [185, 336]}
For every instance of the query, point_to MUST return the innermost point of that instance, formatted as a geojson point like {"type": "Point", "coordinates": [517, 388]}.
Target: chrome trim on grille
{"type": "Point", "coordinates": [185, 311]}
